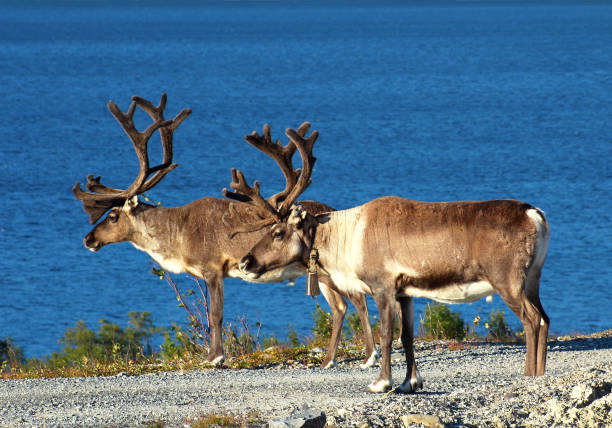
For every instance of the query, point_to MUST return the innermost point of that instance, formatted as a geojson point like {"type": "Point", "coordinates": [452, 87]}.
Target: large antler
{"type": "Point", "coordinates": [281, 154]}
{"type": "Point", "coordinates": [297, 180]}
{"type": "Point", "coordinates": [304, 146]}
{"type": "Point", "coordinates": [101, 198]}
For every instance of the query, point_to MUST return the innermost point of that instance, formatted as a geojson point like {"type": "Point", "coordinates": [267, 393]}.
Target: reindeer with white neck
{"type": "Point", "coordinates": [395, 249]}
{"type": "Point", "coordinates": [194, 238]}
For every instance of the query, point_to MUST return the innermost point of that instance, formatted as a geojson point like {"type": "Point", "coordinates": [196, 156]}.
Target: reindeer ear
{"type": "Point", "coordinates": [297, 216]}
{"type": "Point", "coordinates": [131, 203]}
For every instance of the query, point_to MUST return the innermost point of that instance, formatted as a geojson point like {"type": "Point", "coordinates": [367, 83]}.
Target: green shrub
{"type": "Point", "coordinates": [322, 324]}
{"type": "Point", "coordinates": [270, 341]}
{"type": "Point", "coordinates": [181, 346]}
{"type": "Point", "coordinates": [109, 344]}
{"type": "Point", "coordinates": [439, 322]}
{"type": "Point", "coordinates": [497, 326]}
{"type": "Point", "coordinates": [294, 340]}
{"type": "Point", "coordinates": [354, 329]}
{"type": "Point", "coordinates": [10, 354]}
{"type": "Point", "coordinates": [239, 340]}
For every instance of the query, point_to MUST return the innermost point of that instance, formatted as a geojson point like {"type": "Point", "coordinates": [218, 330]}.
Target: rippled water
{"type": "Point", "coordinates": [432, 102]}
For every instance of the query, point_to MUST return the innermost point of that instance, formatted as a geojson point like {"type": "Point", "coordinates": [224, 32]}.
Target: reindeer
{"type": "Point", "coordinates": [395, 249]}
{"type": "Point", "coordinates": [193, 238]}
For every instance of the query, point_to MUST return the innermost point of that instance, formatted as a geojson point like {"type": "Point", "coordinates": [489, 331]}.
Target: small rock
{"type": "Point", "coordinates": [427, 420]}
{"type": "Point", "coordinates": [510, 395]}
{"type": "Point", "coordinates": [582, 394]}
{"type": "Point", "coordinates": [306, 417]}
{"type": "Point", "coordinates": [555, 408]}
{"type": "Point", "coordinates": [375, 421]}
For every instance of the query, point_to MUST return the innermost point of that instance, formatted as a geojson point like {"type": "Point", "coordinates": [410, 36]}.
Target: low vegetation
{"type": "Point", "coordinates": [226, 421]}
{"type": "Point", "coordinates": [141, 347]}
{"type": "Point", "coordinates": [440, 322]}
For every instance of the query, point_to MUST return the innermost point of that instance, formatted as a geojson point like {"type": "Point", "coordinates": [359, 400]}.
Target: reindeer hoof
{"type": "Point", "coordinates": [374, 356]}
{"type": "Point", "coordinates": [380, 386]}
{"type": "Point", "coordinates": [329, 365]}
{"type": "Point", "coordinates": [410, 386]}
{"type": "Point", "coordinates": [217, 360]}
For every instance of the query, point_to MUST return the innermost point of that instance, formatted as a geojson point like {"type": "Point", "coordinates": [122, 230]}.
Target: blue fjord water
{"type": "Point", "coordinates": [444, 101]}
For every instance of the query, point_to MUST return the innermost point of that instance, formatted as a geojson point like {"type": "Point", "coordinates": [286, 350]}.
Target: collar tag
{"type": "Point", "coordinates": [312, 279]}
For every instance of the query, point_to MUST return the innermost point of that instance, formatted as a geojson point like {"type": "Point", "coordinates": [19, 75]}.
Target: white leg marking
{"type": "Point", "coordinates": [411, 385]}
{"type": "Point", "coordinates": [371, 361]}
{"type": "Point", "coordinates": [330, 365]}
{"type": "Point", "coordinates": [380, 386]}
{"type": "Point", "coordinates": [218, 360]}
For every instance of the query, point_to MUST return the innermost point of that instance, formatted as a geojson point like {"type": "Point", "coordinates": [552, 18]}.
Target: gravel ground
{"type": "Point", "coordinates": [479, 385]}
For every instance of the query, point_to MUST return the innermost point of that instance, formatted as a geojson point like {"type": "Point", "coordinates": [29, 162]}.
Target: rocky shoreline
{"type": "Point", "coordinates": [479, 384]}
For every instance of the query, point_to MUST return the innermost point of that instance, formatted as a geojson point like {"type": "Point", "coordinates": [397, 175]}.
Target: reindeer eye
{"type": "Point", "coordinates": [278, 234]}
{"type": "Point", "coordinates": [113, 217]}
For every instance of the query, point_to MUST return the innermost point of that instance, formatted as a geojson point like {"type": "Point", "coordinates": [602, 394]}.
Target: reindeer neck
{"type": "Point", "coordinates": [332, 235]}
{"type": "Point", "coordinates": [339, 242]}
{"type": "Point", "coordinates": [157, 231]}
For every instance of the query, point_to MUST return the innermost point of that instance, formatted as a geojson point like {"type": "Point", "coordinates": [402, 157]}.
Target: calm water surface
{"type": "Point", "coordinates": [431, 102]}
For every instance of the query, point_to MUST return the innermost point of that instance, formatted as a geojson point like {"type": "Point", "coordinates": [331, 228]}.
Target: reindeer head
{"type": "Point", "coordinates": [120, 225]}
{"type": "Point", "coordinates": [290, 238]}
{"type": "Point", "coordinates": [124, 206]}
{"type": "Point", "coordinates": [286, 243]}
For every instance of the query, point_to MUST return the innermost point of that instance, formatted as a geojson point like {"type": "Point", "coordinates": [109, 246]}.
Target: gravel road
{"type": "Point", "coordinates": [479, 385]}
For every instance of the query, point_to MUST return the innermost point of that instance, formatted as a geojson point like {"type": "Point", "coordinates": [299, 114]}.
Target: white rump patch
{"type": "Point", "coordinates": [543, 236]}
{"type": "Point", "coordinates": [454, 293]}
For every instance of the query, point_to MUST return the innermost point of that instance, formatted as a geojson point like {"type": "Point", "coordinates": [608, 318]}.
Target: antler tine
{"type": "Point", "coordinates": [94, 185]}
{"type": "Point", "coordinates": [94, 204]}
{"type": "Point", "coordinates": [102, 198]}
{"type": "Point", "coordinates": [304, 146]}
{"type": "Point", "coordinates": [282, 155]}
{"type": "Point", "coordinates": [236, 225]}
{"type": "Point", "coordinates": [166, 134]}
{"type": "Point", "coordinates": [245, 193]}
{"type": "Point", "coordinates": [140, 141]}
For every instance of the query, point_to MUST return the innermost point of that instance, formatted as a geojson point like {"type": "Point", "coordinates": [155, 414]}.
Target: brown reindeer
{"type": "Point", "coordinates": [395, 249]}
{"type": "Point", "coordinates": [193, 238]}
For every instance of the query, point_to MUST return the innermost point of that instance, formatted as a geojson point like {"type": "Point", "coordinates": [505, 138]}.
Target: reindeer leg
{"type": "Point", "coordinates": [531, 319]}
{"type": "Point", "coordinates": [371, 354]}
{"type": "Point", "coordinates": [386, 308]}
{"type": "Point", "coordinates": [338, 308]}
{"type": "Point", "coordinates": [398, 311]}
{"type": "Point", "coordinates": [542, 339]}
{"type": "Point", "coordinates": [215, 287]}
{"type": "Point", "coordinates": [413, 380]}
{"type": "Point", "coordinates": [532, 294]}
